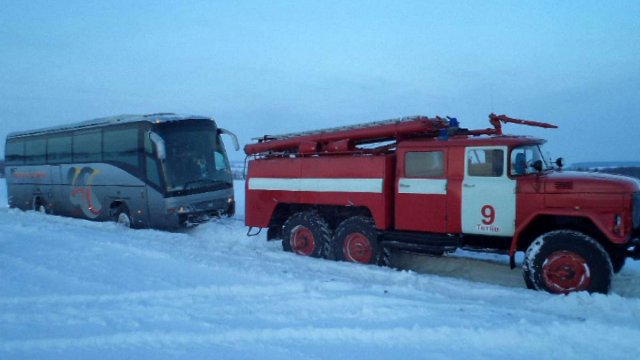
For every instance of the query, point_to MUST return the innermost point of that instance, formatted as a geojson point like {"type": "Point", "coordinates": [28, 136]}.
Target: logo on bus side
{"type": "Point", "coordinates": [81, 194]}
{"type": "Point", "coordinates": [27, 175]}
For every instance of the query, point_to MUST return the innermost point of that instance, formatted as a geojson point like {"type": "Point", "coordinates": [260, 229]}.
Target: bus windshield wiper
{"type": "Point", "coordinates": [205, 182]}
{"type": "Point", "coordinates": [189, 184]}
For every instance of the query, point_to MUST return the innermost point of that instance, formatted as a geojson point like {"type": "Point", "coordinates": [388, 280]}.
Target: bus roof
{"type": "Point", "coordinates": [110, 120]}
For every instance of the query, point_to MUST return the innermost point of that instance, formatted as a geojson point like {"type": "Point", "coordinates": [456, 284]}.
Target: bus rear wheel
{"type": "Point", "coordinates": [40, 205]}
{"type": "Point", "coordinates": [122, 216]}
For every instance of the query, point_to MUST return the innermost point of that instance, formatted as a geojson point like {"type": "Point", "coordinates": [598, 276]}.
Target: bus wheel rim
{"type": "Point", "coordinates": [302, 241]}
{"type": "Point", "coordinates": [357, 248]}
{"type": "Point", "coordinates": [565, 272]}
{"type": "Point", "coordinates": [123, 219]}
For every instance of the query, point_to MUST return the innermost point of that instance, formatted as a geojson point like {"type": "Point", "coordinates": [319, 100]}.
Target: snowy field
{"type": "Point", "coordinates": [74, 289]}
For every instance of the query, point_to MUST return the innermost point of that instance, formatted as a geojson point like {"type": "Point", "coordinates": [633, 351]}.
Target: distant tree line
{"type": "Point", "coordinates": [632, 171]}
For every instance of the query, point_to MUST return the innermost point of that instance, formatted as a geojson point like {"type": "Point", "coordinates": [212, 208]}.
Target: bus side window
{"type": "Point", "coordinates": [121, 146]}
{"type": "Point", "coordinates": [151, 164]}
{"type": "Point", "coordinates": [35, 151]}
{"type": "Point", "coordinates": [59, 149]}
{"type": "Point", "coordinates": [221, 161]}
{"type": "Point", "coordinates": [87, 146]}
{"type": "Point", "coordinates": [15, 152]}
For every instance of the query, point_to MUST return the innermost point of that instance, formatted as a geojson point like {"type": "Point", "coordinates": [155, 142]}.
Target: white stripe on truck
{"type": "Point", "coordinates": [422, 186]}
{"type": "Point", "coordinates": [317, 185]}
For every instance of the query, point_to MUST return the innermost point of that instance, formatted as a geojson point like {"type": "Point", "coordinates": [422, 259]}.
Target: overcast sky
{"type": "Point", "coordinates": [268, 67]}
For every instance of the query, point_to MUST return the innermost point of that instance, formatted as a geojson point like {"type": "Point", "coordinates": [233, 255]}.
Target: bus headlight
{"type": "Point", "coordinates": [179, 210]}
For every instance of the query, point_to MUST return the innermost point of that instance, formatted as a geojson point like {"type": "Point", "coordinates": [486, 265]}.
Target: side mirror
{"type": "Point", "coordinates": [158, 141]}
{"type": "Point", "coordinates": [537, 165]}
{"type": "Point", "coordinates": [560, 162]}
{"type": "Point", "coordinates": [234, 138]}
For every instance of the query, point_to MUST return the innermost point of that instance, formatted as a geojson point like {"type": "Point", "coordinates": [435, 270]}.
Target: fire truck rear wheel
{"type": "Point", "coordinates": [306, 233]}
{"type": "Point", "coordinates": [565, 261]}
{"type": "Point", "coordinates": [356, 240]}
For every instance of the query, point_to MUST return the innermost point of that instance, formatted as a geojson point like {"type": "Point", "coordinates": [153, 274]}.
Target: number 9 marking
{"type": "Point", "coordinates": [489, 214]}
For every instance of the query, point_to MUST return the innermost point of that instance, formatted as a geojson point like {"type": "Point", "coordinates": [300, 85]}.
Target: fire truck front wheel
{"type": "Point", "coordinates": [306, 233]}
{"type": "Point", "coordinates": [565, 261]}
{"type": "Point", "coordinates": [356, 240]}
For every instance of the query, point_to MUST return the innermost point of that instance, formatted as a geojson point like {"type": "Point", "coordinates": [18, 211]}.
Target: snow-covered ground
{"type": "Point", "coordinates": [74, 289]}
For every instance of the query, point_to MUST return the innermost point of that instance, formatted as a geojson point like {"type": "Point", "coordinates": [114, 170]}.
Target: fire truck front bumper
{"type": "Point", "coordinates": [636, 214]}
{"type": "Point", "coordinates": [634, 250]}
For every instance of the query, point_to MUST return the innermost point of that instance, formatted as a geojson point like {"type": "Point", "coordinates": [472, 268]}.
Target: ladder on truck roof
{"type": "Point", "coordinates": [366, 125]}
{"type": "Point", "coordinates": [344, 139]}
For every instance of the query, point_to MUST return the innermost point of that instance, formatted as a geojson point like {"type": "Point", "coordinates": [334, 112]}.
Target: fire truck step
{"type": "Point", "coordinates": [420, 242]}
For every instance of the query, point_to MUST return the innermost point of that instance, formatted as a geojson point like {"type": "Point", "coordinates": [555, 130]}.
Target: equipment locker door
{"type": "Point", "coordinates": [488, 194]}
{"type": "Point", "coordinates": [421, 191]}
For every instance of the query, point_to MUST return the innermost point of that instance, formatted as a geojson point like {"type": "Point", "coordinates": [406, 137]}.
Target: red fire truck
{"type": "Point", "coordinates": [428, 185]}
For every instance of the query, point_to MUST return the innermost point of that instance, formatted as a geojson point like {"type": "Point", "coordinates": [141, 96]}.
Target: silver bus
{"type": "Point", "coordinates": [162, 170]}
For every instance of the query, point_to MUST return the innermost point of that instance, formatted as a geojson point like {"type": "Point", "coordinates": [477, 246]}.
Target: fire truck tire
{"type": "Point", "coordinates": [527, 280]}
{"type": "Point", "coordinates": [306, 233]}
{"type": "Point", "coordinates": [617, 261]}
{"type": "Point", "coordinates": [356, 240]}
{"type": "Point", "coordinates": [565, 261]}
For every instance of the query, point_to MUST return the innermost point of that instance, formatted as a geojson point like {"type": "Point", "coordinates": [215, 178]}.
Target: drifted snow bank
{"type": "Point", "coordinates": [72, 289]}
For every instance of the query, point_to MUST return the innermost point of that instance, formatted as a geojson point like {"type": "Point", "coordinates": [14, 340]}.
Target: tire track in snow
{"type": "Point", "coordinates": [476, 340]}
{"type": "Point", "coordinates": [166, 295]}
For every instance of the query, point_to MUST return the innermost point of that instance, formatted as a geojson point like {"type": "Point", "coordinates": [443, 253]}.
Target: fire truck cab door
{"type": "Point", "coordinates": [488, 194]}
{"type": "Point", "coordinates": [421, 190]}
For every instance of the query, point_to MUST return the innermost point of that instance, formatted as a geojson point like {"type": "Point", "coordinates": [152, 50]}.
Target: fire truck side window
{"type": "Point", "coordinates": [485, 162]}
{"type": "Point", "coordinates": [424, 164]}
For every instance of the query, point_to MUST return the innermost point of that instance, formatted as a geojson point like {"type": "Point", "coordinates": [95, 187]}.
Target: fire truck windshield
{"type": "Point", "coordinates": [196, 159]}
{"type": "Point", "coordinates": [524, 157]}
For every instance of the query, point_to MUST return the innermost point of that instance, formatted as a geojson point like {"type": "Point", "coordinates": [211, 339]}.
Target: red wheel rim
{"type": "Point", "coordinates": [302, 241]}
{"type": "Point", "coordinates": [357, 248]}
{"type": "Point", "coordinates": [565, 272]}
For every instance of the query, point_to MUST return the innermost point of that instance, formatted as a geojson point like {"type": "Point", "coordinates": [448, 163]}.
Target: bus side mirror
{"type": "Point", "coordinates": [234, 138]}
{"type": "Point", "coordinates": [158, 141]}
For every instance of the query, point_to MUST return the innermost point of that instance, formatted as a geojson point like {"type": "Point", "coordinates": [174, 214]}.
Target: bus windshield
{"type": "Point", "coordinates": [196, 160]}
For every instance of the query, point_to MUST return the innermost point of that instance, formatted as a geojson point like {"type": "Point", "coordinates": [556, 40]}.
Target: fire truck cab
{"type": "Point", "coordinates": [427, 185]}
